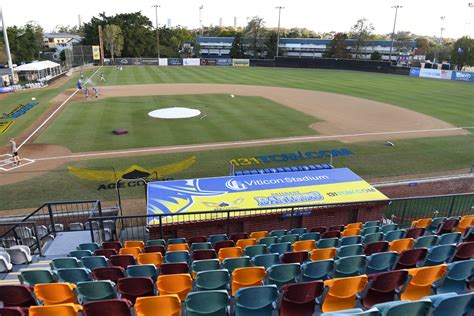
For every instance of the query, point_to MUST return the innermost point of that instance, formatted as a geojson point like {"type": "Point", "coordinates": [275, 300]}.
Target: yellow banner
{"type": "Point", "coordinates": [4, 126]}
{"type": "Point", "coordinates": [96, 52]}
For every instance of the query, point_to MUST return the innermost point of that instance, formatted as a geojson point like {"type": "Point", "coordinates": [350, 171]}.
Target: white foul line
{"type": "Point", "coordinates": [56, 111]}
{"type": "Point", "coordinates": [243, 143]}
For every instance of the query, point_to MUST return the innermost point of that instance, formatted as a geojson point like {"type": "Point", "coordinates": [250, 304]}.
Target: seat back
{"type": "Point", "coordinates": [223, 244]}
{"type": "Point", "coordinates": [231, 252]}
{"type": "Point", "coordinates": [201, 246]}
{"type": "Point", "coordinates": [177, 256]}
{"type": "Point", "coordinates": [177, 241]}
{"type": "Point", "coordinates": [383, 287]}
{"type": "Point", "coordinates": [122, 261]}
{"type": "Point", "coordinates": [131, 288]}
{"type": "Point", "coordinates": [105, 252]}
{"type": "Point", "coordinates": [375, 247]}
{"type": "Point", "coordinates": [255, 300]}
{"type": "Point", "coordinates": [218, 237]}
{"type": "Point", "coordinates": [414, 232]}
{"type": "Point", "coordinates": [203, 254]}
{"type": "Point", "coordinates": [55, 293]}
{"type": "Point", "coordinates": [212, 280]}
{"type": "Point", "coordinates": [394, 235]}
{"type": "Point", "coordinates": [351, 250]}
{"type": "Point", "coordinates": [67, 262]}
{"type": "Point", "coordinates": [401, 245]}
{"type": "Point", "coordinates": [381, 262]}
{"type": "Point", "coordinates": [279, 248]}
{"type": "Point", "coordinates": [112, 245]}
{"type": "Point", "coordinates": [449, 238]}
{"type": "Point", "coordinates": [174, 268]}
{"type": "Point", "coordinates": [299, 298]}
{"type": "Point", "coordinates": [323, 254]}
{"type": "Point", "coordinates": [166, 304]}
{"type": "Point", "coordinates": [281, 274]}
{"type": "Point", "coordinates": [180, 284]}
{"type": "Point", "coordinates": [440, 254]}
{"type": "Point", "coordinates": [421, 282]}
{"type": "Point", "coordinates": [207, 303]}
{"type": "Point", "coordinates": [74, 275]}
{"type": "Point", "coordinates": [398, 308]}
{"type": "Point", "coordinates": [205, 265]}
{"type": "Point", "coordinates": [252, 251]}
{"type": "Point", "coordinates": [243, 243]}
{"type": "Point", "coordinates": [465, 251]}
{"type": "Point", "coordinates": [237, 236]}
{"type": "Point", "coordinates": [259, 234]}
{"type": "Point", "coordinates": [294, 257]}
{"type": "Point", "coordinates": [317, 270]}
{"type": "Point", "coordinates": [33, 277]}
{"type": "Point", "coordinates": [289, 238]}
{"type": "Point", "coordinates": [267, 241]}
{"type": "Point", "coordinates": [17, 295]}
{"type": "Point", "coordinates": [304, 245]}
{"type": "Point", "coordinates": [351, 232]}
{"type": "Point", "coordinates": [94, 262]}
{"type": "Point", "coordinates": [311, 236]}
{"type": "Point", "coordinates": [421, 223]}
{"type": "Point", "coordinates": [197, 239]}
{"type": "Point", "coordinates": [350, 240]}
{"type": "Point", "coordinates": [96, 291]}
{"type": "Point", "coordinates": [109, 273]}
{"type": "Point", "coordinates": [452, 304]}
{"type": "Point", "coordinates": [266, 260]}
{"type": "Point", "coordinates": [278, 233]}
{"type": "Point", "coordinates": [156, 242]}
{"type": "Point", "coordinates": [155, 258]}
{"type": "Point", "coordinates": [245, 277]}
{"type": "Point", "coordinates": [350, 266]}
{"type": "Point", "coordinates": [80, 253]}
{"type": "Point", "coordinates": [328, 243]}
{"type": "Point", "coordinates": [370, 238]}
{"type": "Point", "coordinates": [55, 310]}
{"type": "Point", "coordinates": [116, 307]}
{"type": "Point", "coordinates": [92, 246]}
{"type": "Point", "coordinates": [234, 263]}
{"type": "Point", "coordinates": [426, 241]}
{"type": "Point", "coordinates": [297, 231]}
{"type": "Point", "coordinates": [178, 247]}
{"type": "Point", "coordinates": [144, 270]}
{"type": "Point", "coordinates": [456, 276]}
{"type": "Point", "coordinates": [410, 258]}
{"type": "Point", "coordinates": [342, 292]}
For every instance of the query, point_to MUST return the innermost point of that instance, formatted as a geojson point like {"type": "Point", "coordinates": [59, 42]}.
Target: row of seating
{"type": "Point", "coordinates": [284, 169]}
{"type": "Point", "coordinates": [19, 254]}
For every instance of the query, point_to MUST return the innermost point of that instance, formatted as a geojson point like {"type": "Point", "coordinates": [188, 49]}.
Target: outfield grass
{"type": "Point", "coordinates": [87, 126]}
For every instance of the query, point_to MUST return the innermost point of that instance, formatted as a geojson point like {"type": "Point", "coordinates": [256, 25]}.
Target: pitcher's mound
{"type": "Point", "coordinates": [174, 113]}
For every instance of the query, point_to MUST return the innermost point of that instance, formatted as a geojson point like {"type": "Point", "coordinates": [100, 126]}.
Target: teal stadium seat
{"type": "Point", "coordinates": [74, 275]}
{"type": "Point", "coordinates": [252, 251]}
{"type": "Point", "coordinates": [328, 243]}
{"type": "Point", "coordinates": [94, 262]}
{"type": "Point", "coordinates": [90, 291]}
{"type": "Point", "coordinates": [67, 262]}
{"type": "Point", "coordinates": [317, 270]}
{"type": "Point", "coordinates": [208, 303]}
{"type": "Point", "coordinates": [234, 263]}
{"type": "Point", "coordinates": [143, 270]}
{"type": "Point", "coordinates": [456, 278]}
{"type": "Point", "coordinates": [452, 304]}
{"type": "Point", "coordinates": [33, 277]}
{"type": "Point", "coordinates": [381, 262]}
{"type": "Point", "coordinates": [266, 260]}
{"type": "Point", "coordinates": [279, 248]}
{"type": "Point", "coordinates": [212, 280]}
{"type": "Point", "coordinates": [205, 265]}
{"type": "Point", "coordinates": [255, 301]}
{"type": "Point", "coordinates": [350, 266]}
{"type": "Point", "coordinates": [281, 274]}
{"type": "Point", "coordinates": [398, 308]}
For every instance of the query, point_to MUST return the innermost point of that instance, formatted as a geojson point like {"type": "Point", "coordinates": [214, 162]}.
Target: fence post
{"type": "Point", "coordinates": [51, 219]}
{"type": "Point", "coordinates": [404, 211]}
{"type": "Point", "coordinates": [38, 242]}
{"type": "Point", "coordinates": [161, 227]}
{"type": "Point", "coordinates": [91, 229]}
{"type": "Point", "coordinates": [291, 217]}
{"type": "Point", "coordinates": [451, 206]}
{"type": "Point", "coordinates": [228, 223]}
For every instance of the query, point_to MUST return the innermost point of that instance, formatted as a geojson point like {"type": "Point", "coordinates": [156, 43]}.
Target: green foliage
{"type": "Point", "coordinates": [237, 49]}
{"type": "Point", "coordinates": [337, 47]}
{"type": "Point", "coordinates": [462, 53]}
{"type": "Point", "coordinates": [271, 44]}
{"type": "Point", "coordinates": [113, 40]}
{"type": "Point", "coordinates": [25, 42]}
{"type": "Point", "coordinates": [254, 35]}
{"type": "Point", "coordinates": [362, 33]}
{"type": "Point", "coordinates": [375, 56]}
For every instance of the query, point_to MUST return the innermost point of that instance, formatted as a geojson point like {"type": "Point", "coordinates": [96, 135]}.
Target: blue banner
{"type": "Point", "coordinates": [415, 72]}
{"type": "Point", "coordinates": [463, 76]}
{"type": "Point", "coordinates": [223, 62]}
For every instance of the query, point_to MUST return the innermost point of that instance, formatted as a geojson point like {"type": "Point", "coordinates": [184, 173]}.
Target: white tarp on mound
{"type": "Point", "coordinates": [174, 113]}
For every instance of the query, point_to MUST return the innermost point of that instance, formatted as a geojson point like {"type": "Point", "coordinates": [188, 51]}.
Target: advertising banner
{"type": "Point", "coordinates": [208, 62]}
{"type": "Point", "coordinates": [150, 61]}
{"type": "Point", "coordinates": [137, 61]}
{"type": "Point", "coordinates": [175, 61]}
{"type": "Point", "coordinates": [258, 191]}
{"type": "Point", "coordinates": [124, 61]}
{"type": "Point", "coordinates": [163, 62]}
{"type": "Point", "coordinates": [95, 52]}
{"type": "Point", "coordinates": [191, 62]}
{"type": "Point", "coordinates": [463, 76]}
{"type": "Point", "coordinates": [415, 72]}
{"type": "Point", "coordinates": [241, 62]}
{"type": "Point", "coordinates": [436, 74]}
{"type": "Point", "coordinates": [224, 62]}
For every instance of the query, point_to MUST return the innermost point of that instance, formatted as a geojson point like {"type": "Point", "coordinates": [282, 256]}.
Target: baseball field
{"type": "Point", "coordinates": [252, 117]}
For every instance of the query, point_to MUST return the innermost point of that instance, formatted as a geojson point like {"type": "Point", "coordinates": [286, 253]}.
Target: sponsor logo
{"type": "Point", "coordinates": [288, 198]}
{"type": "Point", "coordinates": [19, 110]}
{"type": "Point", "coordinates": [415, 72]}
{"type": "Point", "coordinates": [4, 126]}
{"type": "Point", "coordinates": [124, 61]}
{"type": "Point", "coordinates": [235, 185]}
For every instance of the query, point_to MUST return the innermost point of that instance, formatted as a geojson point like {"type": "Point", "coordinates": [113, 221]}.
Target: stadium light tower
{"type": "Point", "coordinates": [442, 29]}
{"type": "Point", "coordinates": [278, 32]}
{"type": "Point", "coordinates": [396, 7]}
{"type": "Point", "coordinates": [201, 7]}
{"type": "Point", "coordinates": [468, 22]}
{"type": "Point", "coordinates": [156, 6]}
{"type": "Point", "coordinates": [7, 47]}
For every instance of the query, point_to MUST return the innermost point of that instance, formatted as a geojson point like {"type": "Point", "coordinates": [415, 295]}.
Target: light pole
{"type": "Point", "coordinates": [278, 32]}
{"type": "Point", "coordinates": [200, 19]}
{"type": "Point", "coordinates": [156, 6]}
{"type": "Point", "coordinates": [396, 7]}
{"type": "Point", "coordinates": [468, 22]}
{"type": "Point", "coordinates": [440, 38]}
{"type": "Point", "coordinates": [7, 48]}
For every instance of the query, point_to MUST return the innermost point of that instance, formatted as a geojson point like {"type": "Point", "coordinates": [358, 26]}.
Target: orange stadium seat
{"type": "Point", "coordinates": [323, 254]}
{"type": "Point", "coordinates": [304, 245]}
{"type": "Point", "coordinates": [179, 284]}
{"type": "Point", "coordinates": [400, 245]}
{"type": "Point", "coordinates": [178, 247]}
{"type": "Point", "coordinates": [167, 305]}
{"type": "Point", "coordinates": [230, 252]}
{"type": "Point", "coordinates": [134, 251]}
{"type": "Point", "coordinates": [134, 243]}
{"type": "Point", "coordinates": [155, 258]}
{"type": "Point", "coordinates": [55, 293]}
{"type": "Point", "coordinates": [245, 277]}
{"type": "Point", "coordinates": [259, 234]}
{"type": "Point", "coordinates": [242, 243]}
{"type": "Point", "coordinates": [342, 292]}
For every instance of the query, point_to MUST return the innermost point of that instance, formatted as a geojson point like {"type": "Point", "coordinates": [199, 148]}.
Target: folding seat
{"type": "Point", "coordinates": [468, 234]}
{"type": "Point", "coordinates": [371, 224]}
{"type": "Point", "coordinates": [55, 293]}
{"type": "Point", "coordinates": [92, 246]}
{"type": "Point", "coordinates": [110, 273]}
{"type": "Point", "coordinates": [237, 236]}
{"type": "Point", "coordinates": [289, 238]}
{"type": "Point", "coordinates": [281, 274]}
{"type": "Point", "coordinates": [426, 241]}
{"type": "Point", "coordinates": [201, 246]}
{"type": "Point", "coordinates": [204, 254]}
{"type": "Point", "coordinates": [336, 227]}
{"type": "Point", "coordinates": [323, 254]}
{"type": "Point", "coordinates": [317, 270]}
{"type": "Point", "coordinates": [252, 251]}
{"type": "Point", "coordinates": [90, 291]}
{"type": "Point", "coordinates": [17, 295]}
{"type": "Point", "coordinates": [354, 226]}
{"type": "Point", "coordinates": [381, 262]}
{"type": "Point", "coordinates": [67, 262]}
{"type": "Point", "coordinates": [266, 260]}
{"type": "Point", "coordinates": [234, 263]}
{"type": "Point", "coordinates": [19, 254]}
{"type": "Point", "coordinates": [331, 234]}
{"type": "Point", "coordinates": [223, 244]}
{"type": "Point", "coordinates": [294, 257]}
{"type": "Point", "coordinates": [319, 229]}
{"type": "Point", "coordinates": [394, 235]}
{"type": "Point", "coordinates": [255, 300]}
{"type": "Point", "coordinates": [452, 304]}
{"type": "Point", "coordinates": [167, 305]}
{"type": "Point", "coordinates": [421, 223]}
{"type": "Point", "coordinates": [354, 312]}
{"type": "Point", "coordinates": [74, 275]}
{"type": "Point", "coordinates": [197, 239]}
{"type": "Point", "coordinates": [216, 238]}
{"type": "Point", "coordinates": [449, 238]}
{"type": "Point", "coordinates": [37, 276]}
{"type": "Point", "coordinates": [299, 299]}
{"type": "Point", "coordinates": [456, 277]}
{"type": "Point", "coordinates": [350, 232]}
{"type": "Point", "coordinates": [448, 226]}
{"type": "Point", "coordinates": [375, 247]}
{"type": "Point", "coordinates": [398, 308]}
{"type": "Point", "coordinates": [144, 270]}
{"type": "Point", "coordinates": [411, 258]}
{"type": "Point", "coordinates": [245, 277]}
{"type": "Point", "coordinates": [351, 240]}
{"type": "Point", "coordinates": [5, 262]}
{"type": "Point", "coordinates": [155, 248]}
{"type": "Point", "coordinates": [267, 241]}
{"type": "Point", "coordinates": [155, 242]}
{"type": "Point", "coordinates": [131, 288]}
{"type": "Point", "coordinates": [12, 311]}
{"type": "Point", "coordinates": [94, 262]}
{"type": "Point", "coordinates": [80, 253]}
{"type": "Point", "coordinates": [204, 265]}
{"type": "Point", "coordinates": [465, 251]}
{"type": "Point", "coordinates": [388, 228]}
{"type": "Point", "coordinates": [207, 303]}
{"type": "Point", "coordinates": [231, 252]}
{"type": "Point", "coordinates": [297, 231]}
{"type": "Point", "coordinates": [421, 281]}
{"type": "Point", "coordinates": [400, 245]}
{"type": "Point", "coordinates": [174, 268]}
{"type": "Point", "coordinates": [177, 241]}
{"type": "Point", "coordinates": [133, 251]}
{"type": "Point", "coordinates": [55, 310]}
{"type": "Point", "coordinates": [414, 232]}
{"type": "Point", "coordinates": [328, 243]}
{"type": "Point", "coordinates": [242, 243]}
{"type": "Point", "coordinates": [278, 233]}
{"type": "Point", "coordinates": [105, 252]}
{"type": "Point", "coordinates": [350, 266]}
{"type": "Point", "coordinates": [342, 292]}
{"type": "Point", "coordinates": [311, 236]}
{"type": "Point", "coordinates": [464, 223]}
{"type": "Point", "coordinates": [259, 234]}
{"type": "Point", "coordinates": [180, 284]}
{"type": "Point", "coordinates": [439, 255]}
{"type": "Point", "coordinates": [178, 247]}
{"type": "Point", "coordinates": [155, 258]}
{"type": "Point", "coordinates": [279, 248]}
{"type": "Point", "coordinates": [382, 287]}
{"type": "Point", "coordinates": [304, 245]}
{"type": "Point", "coordinates": [115, 307]}
{"type": "Point", "coordinates": [23, 232]}
{"type": "Point", "coordinates": [433, 227]}
{"type": "Point", "coordinates": [351, 250]}
{"type": "Point", "coordinates": [212, 280]}
{"type": "Point", "coordinates": [370, 238]}
{"type": "Point", "coordinates": [177, 256]}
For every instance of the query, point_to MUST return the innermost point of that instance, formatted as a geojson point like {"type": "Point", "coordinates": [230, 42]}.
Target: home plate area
{"type": "Point", "coordinates": [6, 162]}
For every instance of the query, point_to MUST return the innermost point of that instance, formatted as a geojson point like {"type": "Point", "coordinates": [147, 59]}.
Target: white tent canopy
{"type": "Point", "coordinates": [37, 66]}
{"type": "Point", "coordinates": [38, 71]}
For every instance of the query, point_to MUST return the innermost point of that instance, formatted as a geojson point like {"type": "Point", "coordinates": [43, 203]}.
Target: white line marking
{"type": "Point", "coordinates": [24, 162]}
{"type": "Point", "coordinates": [243, 143]}
{"type": "Point", "coordinates": [203, 116]}
{"type": "Point", "coordinates": [56, 111]}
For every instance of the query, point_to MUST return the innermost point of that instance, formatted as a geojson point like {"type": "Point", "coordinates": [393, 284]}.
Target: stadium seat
{"type": "Point", "coordinates": [144, 270]}
{"type": "Point", "coordinates": [17, 295]}
{"type": "Point", "coordinates": [351, 232]}
{"type": "Point", "coordinates": [426, 241]}
{"type": "Point", "coordinates": [266, 260]}
{"type": "Point", "coordinates": [92, 246]}
{"type": "Point", "coordinates": [207, 303]}
{"type": "Point", "coordinates": [422, 279]}
{"type": "Point", "coordinates": [298, 299]}
{"type": "Point", "coordinates": [411, 258]}
{"type": "Point", "coordinates": [177, 241]}
{"type": "Point", "coordinates": [90, 291]}
{"type": "Point", "coordinates": [456, 277]}
{"type": "Point", "coordinates": [398, 308]}
{"type": "Point", "coordinates": [112, 245]}
{"type": "Point", "coordinates": [435, 224]}
{"type": "Point", "coordinates": [323, 254]}
{"type": "Point", "coordinates": [294, 257]}
{"type": "Point", "coordinates": [12, 311]}
{"type": "Point", "coordinates": [252, 251]}
{"type": "Point", "coordinates": [439, 255]}
{"type": "Point", "coordinates": [464, 251]}
{"type": "Point", "coordinates": [449, 238]}
{"type": "Point", "coordinates": [311, 236]}
{"type": "Point", "coordinates": [245, 277]}
{"type": "Point", "coordinates": [278, 233]}
{"type": "Point", "coordinates": [115, 307]}
{"type": "Point", "coordinates": [155, 258]}
{"type": "Point", "coordinates": [255, 300]}
{"type": "Point", "coordinates": [155, 242]}
{"type": "Point", "coordinates": [37, 276]}
{"type": "Point", "coordinates": [67, 262]}
{"type": "Point", "coordinates": [319, 229]}
{"type": "Point", "coordinates": [382, 287]}
{"type": "Point", "coordinates": [259, 234]}
{"type": "Point", "coordinates": [267, 241]}
{"type": "Point", "coordinates": [80, 253]}
{"type": "Point", "coordinates": [110, 273]}
{"type": "Point", "coordinates": [421, 223]}
{"type": "Point", "coordinates": [236, 236]}
{"type": "Point", "coordinates": [350, 240]}
{"type": "Point", "coordinates": [289, 238]}
{"type": "Point", "coordinates": [19, 254]}
{"type": "Point", "coordinates": [234, 263]}
{"type": "Point", "coordinates": [74, 275]}
{"type": "Point", "coordinates": [231, 252]}
{"type": "Point", "coordinates": [400, 245]}
{"type": "Point", "coordinates": [203, 254]}
{"type": "Point", "coordinates": [351, 250]}
{"type": "Point", "coordinates": [204, 265]}
{"type": "Point", "coordinates": [369, 230]}
{"type": "Point", "coordinates": [317, 270]}
{"type": "Point", "coordinates": [219, 237]}
{"type": "Point", "coordinates": [328, 243]}
{"type": "Point", "coordinates": [342, 292]}
{"type": "Point", "coordinates": [350, 266]}
{"type": "Point", "coordinates": [174, 268]}
{"type": "Point", "coordinates": [281, 274]}
{"type": "Point", "coordinates": [414, 233]}
{"type": "Point", "coordinates": [371, 238]}
{"type": "Point", "coordinates": [381, 262]}
{"type": "Point", "coordinates": [177, 256]}
{"type": "Point", "coordinates": [297, 231]}
{"type": "Point", "coordinates": [201, 246]}
{"type": "Point", "coordinates": [468, 235]}
{"type": "Point", "coordinates": [5, 262]}
{"type": "Point", "coordinates": [55, 293]}
{"type": "Point", "coordinates": [448, 226]}
{"type": "Point", "coordinates": [388, 228]}
{"type": "Point", "coordinates": [223, 244]}
{"type": "Point", "coordinates": [155, 248]}
{"type": "Point", "coordinates": [279, 248]}
{"type": "Point", "coordinates": [243, 243]}
{"type": "Point", "coordinates": [331, 234]}
{"type": "Point", "coordinates": [452, 304]}
{"type": "Point", "coordinates": [105, 252]}
{"type": "Point", "coordinates": [197, 239]}
{"type": "Point", "coordinates": [131, 288]}
{"type": "Point", "coordinates": [180, 284]}
{"type": "Point", "coordinates": [375, 247]}
{"type": "Point", "coordinates": [168, 305]}
{"type": "Point", "coordinates": [94, 262]}
{"type": "Point", "coordinates": [133, 251]}
{"type": "Point", "coordinates": [304, 245]}
{"type": "Point", "coordinates": [56, 310]}
{"type": "Point", "coordinates": [394, 235]}
{"type": "Point", "coordinates": [357, 225]}
{"type": "Point", "coordinates": [178, 247]}
{"type": "Point", "coordinates": [212, 280]}
{"type": "Point", "coordinates": [336, 227]}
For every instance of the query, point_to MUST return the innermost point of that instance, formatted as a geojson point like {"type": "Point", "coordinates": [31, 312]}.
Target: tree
{"type": "Point", "coordinates": [237, 49]}
{"type": "Point", "coordinates": [462, 53]}
{"type": "Point", "coordinates": [337, 47]}
{"type": "Point", "coordinates": [25, 42]}
{"type": "Point", "coordinates": [113, 40]}
{"type": "Point", "coordinates": [422, 45]}
{"type": "Point", "coordinates": [254, 35]}
{"type": "Point", "coordinates": [361, 32]}
{"type": "Point", "coordinates": [271, 44]}
{"type": "Point", "coordinates": [375, 56]}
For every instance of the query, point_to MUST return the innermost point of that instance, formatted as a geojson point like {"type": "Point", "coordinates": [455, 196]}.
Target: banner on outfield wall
{"type": "Point", "coordinates": [223, 61]}
{"type": "Point", "coordinates": [463, 76]}
{"type": "Point", "coordinates": [442, 74]}
{"type": "Point", "coordinates": [150, 61]}
{"type": "Point", "coordinates": [95, 52]}
{"type": "Point", "coordinates": [241, 62]}
{"type": "Point", "coordinates": [163, 62]}
{"type": "Point", "coordinates": [208, 62]}
{"type": "Point", "coordinates": [191, 62]}
{"type": "Point", "coordinates": [288, 189]}
{"type": "Point", "coordinates": [175, 61]}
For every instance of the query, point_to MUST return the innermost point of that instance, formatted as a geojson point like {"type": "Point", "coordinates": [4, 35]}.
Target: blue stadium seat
{"type": "Point", "coordinates": [452, 304]}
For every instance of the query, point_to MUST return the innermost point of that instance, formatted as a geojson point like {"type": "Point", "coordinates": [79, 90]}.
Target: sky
{"type": "Point", "coordinates": [421, 17]}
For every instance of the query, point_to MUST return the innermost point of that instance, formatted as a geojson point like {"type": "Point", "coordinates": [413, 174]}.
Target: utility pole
{"type": "Point", "coordinates": [101, 45]}
{"type": "Point", "coordinates": [278, 32]}
{"type": "Point", "coordinates": [7, 48]}
{"type": "Point", "coordinates": [200, 19]}
{"type": "Point", "coordinates": [440, 38]}
{"type": "Point", "coordinates": [396, 7]}
{"type": "Point", "coordinates": [156, 6]}
{"type": "Point", "coordinates": [468, 22]}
